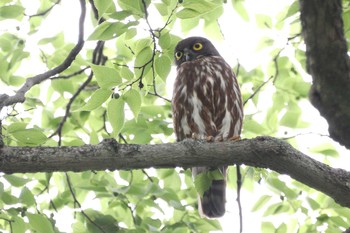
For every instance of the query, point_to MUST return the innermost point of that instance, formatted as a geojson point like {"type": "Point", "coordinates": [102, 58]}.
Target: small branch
{"type": "Point", "coordinates": [19, 97]}
{"type": "Point", "coordinates": [70, 75]}
{"type": "Point", "coordinates": [97, 58]}
{"type": "Point", "coordinates": [76, 202]}
{"type": "Point", "coordinates": [45, 11]}
{"type": "Point", "coordinates": [257, 90]}
{"type": "Point", "coordinates": [239, 186]}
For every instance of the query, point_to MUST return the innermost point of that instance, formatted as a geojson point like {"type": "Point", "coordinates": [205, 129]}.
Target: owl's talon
{"type": "Point", "coordinates": [209, 139]}
{"type": "Point", "coordinates": [234, 138]}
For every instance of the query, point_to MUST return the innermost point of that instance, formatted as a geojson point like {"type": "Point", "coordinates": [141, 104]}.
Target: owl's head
{"type": "Point", "coordinates": [193, 48]}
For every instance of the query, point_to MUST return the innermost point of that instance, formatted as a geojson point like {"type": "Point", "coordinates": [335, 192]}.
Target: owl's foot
{"type": "Point", "coordinates": [209, 138]}
{"type": "Point", "coordinates": [234, 138]}
{"type": "Point", "coordinates": [202, 137]}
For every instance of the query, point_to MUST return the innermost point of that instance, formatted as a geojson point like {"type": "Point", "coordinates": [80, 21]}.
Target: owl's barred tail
{"type": "Point", "coordinates": [212, 204]}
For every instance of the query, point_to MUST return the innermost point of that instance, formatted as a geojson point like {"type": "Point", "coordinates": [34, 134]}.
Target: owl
{"type": "Point", "coordinates": [206, 105]}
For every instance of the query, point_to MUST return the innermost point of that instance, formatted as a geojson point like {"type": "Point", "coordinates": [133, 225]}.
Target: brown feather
{"type": "Point", "coordinates": [207, 103]}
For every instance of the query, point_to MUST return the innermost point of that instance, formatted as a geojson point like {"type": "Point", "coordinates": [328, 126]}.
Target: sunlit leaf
{"type": "Point", "coordinates": [11, 12]}
{"type": "Point", "coordinates": [202, 182]}
{"type": "Point", "coordinates": [32, 136]}
{"type": "Point", "coordinates": [97, 99]}
{"type": "Point", "coordinates": [163, 66]}
{"type": "Point", "coordinates": [16, 181]}
{"type": "Point", "coordinates": [40, 223]}
{"type": "Point", "coordinates": [115, 112]}
{"type": "Point", "coordinates": [261, 202]}
{"type": "Point", "coordinates": [133, 100]}
{"type": "Point", "coordinates": [106, 77]}
{"type": "Point", "coordinates": [26, 197]}
{"type": "Point", "coordinates": [325, 149]}
{"type": "Point", "coordinates": [240, 9]}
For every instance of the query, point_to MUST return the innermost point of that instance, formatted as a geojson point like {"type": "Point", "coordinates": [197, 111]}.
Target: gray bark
{"type": "Point", "coordinates": [328, 63]}
{"type": "Point", "coordinates": [264, 152]}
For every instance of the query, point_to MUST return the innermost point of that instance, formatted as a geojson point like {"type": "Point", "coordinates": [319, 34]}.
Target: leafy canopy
{"type": "Point", "coordinates": [117, 88]}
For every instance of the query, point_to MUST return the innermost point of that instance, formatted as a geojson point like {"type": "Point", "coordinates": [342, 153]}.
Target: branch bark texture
{"type": "Point", "coordinates": [328, 63]}
{"type": "Point", "coordinates": [264, 152]}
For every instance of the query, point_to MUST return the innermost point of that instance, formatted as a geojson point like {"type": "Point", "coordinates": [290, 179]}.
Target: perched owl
{"type": "Point", "coordinates": [206, 105]}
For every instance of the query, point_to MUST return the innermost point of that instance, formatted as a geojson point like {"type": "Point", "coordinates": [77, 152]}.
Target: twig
{"type": "Point", "coordinates": [45, 11]}
{"type": "Point", "coordinates": [19, 97]}
{"type": "Point", "coordinates": [76, 202]}
{"type": "Point", "coordinates": [302, 134]}
{"type": "Point", "coordinates": [9, 221]}
{"type": "Point", "coordinates": [143, 170]}
{"type": "Point", "coordinates": [71, 75]}
{"type": "Point", "coordinates": [257, 90]}
{"type": "Point", "coordinates": [98, 50]}
{"type": "Point", "coordinates": [239, 186]}
{"type": "Point", "coordinates": [153, 37]}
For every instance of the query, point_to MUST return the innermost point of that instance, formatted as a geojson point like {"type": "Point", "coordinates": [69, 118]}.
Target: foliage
{"type": "Point", "coordinates": [117, 87]}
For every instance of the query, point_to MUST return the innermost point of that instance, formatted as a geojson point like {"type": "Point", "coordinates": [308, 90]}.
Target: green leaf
{"type": "Point", "coordinates": [106, 77]}
{"type": "Point", "coordinates": [16, 181]}
{"type": "Point", "coordinates": [325, 149]}
{"type": "Point", "coordinates": [9, 199]}
{"type": "Point", "coordinates": [164, 40]}
{"type": "Point", "coordinates": [162, 66]}
{"type": "Point", "coordinates": [62, 85]}
{"type": "Point", "coordinates": [313, 204]}
{"type": "Point", "coordinates": [282, 228]}
{"type": "Point", "coordinates": [142, 44]}
{"type": "Point", "coordinates": [267, 227]}
{"type": "Point", "coordinates": [108, 30]}
{"type": "Point", "coordinates": [26, 197]}
{"type": "Point", "coordinates": [18, 225]}
{"type": "Point", "coordinates": [16, 126]}
{"type": "Point", "coordinates": [293, 9]}
{"type": "Point", "coordinates": [240, 9]}
{"type": "Point", "coordinates": [115, 112]}
{"type": "Point", "coordinates": [11, 12]}
{"type": "Point", "coordinates": [130, 33]}
{"type": "Point", "coordinates": [40, 223]}
{"type": "Point", "coordinates": [30, 136]}
{"type": "Point", "coordinates": [102, 6]}
{"type": "Point", "coordinates": [292, 116]}
{"type": "Point", "coordinates": [202, 183]}
{"type": "Point", "coordinates": [261, 202]}
{"type": "Point", "coordinates": [133, 99]}
{"type": "Point", "coordinates": [97, 99]}
{"type": "Point", "coordinates": [187, 14]}
{"type": "Point", "coordinates": [126, 73]}
{"type": "Point", "coordinates": [143, 57]}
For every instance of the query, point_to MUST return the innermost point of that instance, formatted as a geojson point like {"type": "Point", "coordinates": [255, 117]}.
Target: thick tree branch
{"type": "Point", "coordinates": [265, 152]}
{"type": "Point", "coordinates": [328, 63]}
{"type": "Point", "coordinates": [19, 97]}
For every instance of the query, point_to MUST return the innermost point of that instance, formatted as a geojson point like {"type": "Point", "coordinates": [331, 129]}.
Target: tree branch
{"type": "Point", "coordinates": [264, 152]}
{"type": "Point", "coordinates": [19, 97]}
{"type": "Point", "coordinates": [328, 63]}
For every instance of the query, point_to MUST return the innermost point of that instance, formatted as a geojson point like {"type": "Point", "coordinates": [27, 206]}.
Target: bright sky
{"type": "Point", "coordinates": [240, 41]}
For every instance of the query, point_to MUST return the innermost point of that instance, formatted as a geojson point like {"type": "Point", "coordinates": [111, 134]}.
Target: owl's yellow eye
{"type": "Point", "coordinates": [178, 55]}
{"type": "Point", "coordinates": [197, 46]}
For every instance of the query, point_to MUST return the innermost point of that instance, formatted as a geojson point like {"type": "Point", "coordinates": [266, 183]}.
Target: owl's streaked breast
{"type": "Point", "coordinates": [206, 100]}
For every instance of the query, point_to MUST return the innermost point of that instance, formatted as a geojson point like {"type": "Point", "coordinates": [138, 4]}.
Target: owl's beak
{"type": "Point", "coordinates": [188, 55]}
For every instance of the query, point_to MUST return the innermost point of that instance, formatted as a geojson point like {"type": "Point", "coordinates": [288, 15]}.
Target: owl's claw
{"type": "Point", "coordinates": [234, 138]}
{"type": "Point", "coordinates": [205, 138]}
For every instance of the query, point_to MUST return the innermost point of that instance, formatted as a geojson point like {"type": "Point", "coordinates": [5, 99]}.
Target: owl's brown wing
{"type": "Point", "coordinates": [207, 104]}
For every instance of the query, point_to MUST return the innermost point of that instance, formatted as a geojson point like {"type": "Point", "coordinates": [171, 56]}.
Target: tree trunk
{"type": "Point", "coordinates": [328, 63]}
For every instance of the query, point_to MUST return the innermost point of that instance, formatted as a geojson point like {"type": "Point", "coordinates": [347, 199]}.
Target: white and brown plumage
{"type": "Point", "coordinates": [207, 105]}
